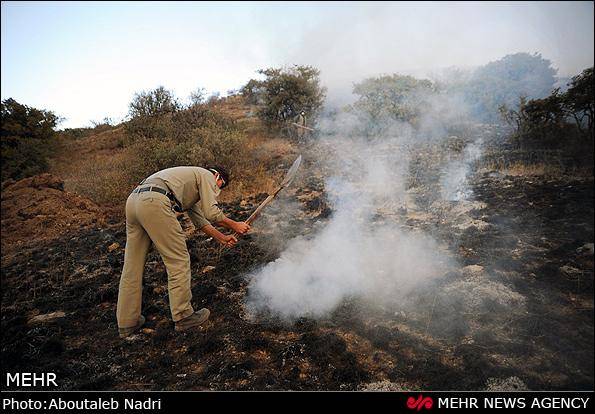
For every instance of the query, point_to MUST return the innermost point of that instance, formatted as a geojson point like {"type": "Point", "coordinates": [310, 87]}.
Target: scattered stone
{"type": "Point", "coordinates": [472, 270]}
{"type": "Point", "coordinates": [207, 269]}
{"type": "Point", "coordinates": [113, 247]}
{"type": "Point", "coordinates": [47, 317]}
{"type": "Point", "coordinates": [131, 338]}
{"type": "Point", "coordinates": [383, 386]}
{"type": "Point", "coordinates": [148, 331]}
{"type": "Point", "coordinates": [506, 384]}
{"type": "Point", "coordinates": [570, 271]}
{"type": "Point", "coordinates": [587, 249]}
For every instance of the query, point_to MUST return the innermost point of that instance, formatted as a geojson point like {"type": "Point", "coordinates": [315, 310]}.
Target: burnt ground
{"type": "Point", "coordinates": [517, 314]}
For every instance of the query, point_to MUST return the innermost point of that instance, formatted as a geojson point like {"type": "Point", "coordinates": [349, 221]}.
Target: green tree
{"type": "Point", "coordinates": [27, 139]}
{"type": "Point", "coordinates": [579, 103]}
{"type": "Point", "coordinates": [285, 92]}
{"type": "Point", "coordinates": [251, 91]}
{"type": "Point", "coordinates": [395, 97]}
{"type": "Point", "coordinates": [556, 119]}
{"type": "Point", "coordinates": [158, 101]}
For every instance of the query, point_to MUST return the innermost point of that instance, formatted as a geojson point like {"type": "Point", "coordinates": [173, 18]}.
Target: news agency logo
{"type": "Point", "coordinates": [420, 403]}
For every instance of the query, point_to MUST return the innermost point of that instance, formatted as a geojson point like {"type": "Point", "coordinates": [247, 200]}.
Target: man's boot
{"type": "Point", "coordinates": [124, 332]}
{"type": "Point", "coordinates": [194, 320]}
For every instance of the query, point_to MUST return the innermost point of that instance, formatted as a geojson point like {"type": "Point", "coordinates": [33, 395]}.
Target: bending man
{"type": "Point", "coordinates": [151, 217]}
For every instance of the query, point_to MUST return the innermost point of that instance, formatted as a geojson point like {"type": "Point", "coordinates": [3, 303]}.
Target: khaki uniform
{"type": "Point", "coordinates": [150, 217]}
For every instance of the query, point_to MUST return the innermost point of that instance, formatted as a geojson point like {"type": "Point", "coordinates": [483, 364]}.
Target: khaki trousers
{"type": "Point", "coordinates": [150, 218]}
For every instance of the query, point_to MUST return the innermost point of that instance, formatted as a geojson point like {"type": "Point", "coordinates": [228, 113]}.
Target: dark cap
{"type": "Point", "coordinates": [222, 173]}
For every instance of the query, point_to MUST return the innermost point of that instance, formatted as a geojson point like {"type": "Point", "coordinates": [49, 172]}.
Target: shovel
{"type": "Point", "coordinates": [286, 181]}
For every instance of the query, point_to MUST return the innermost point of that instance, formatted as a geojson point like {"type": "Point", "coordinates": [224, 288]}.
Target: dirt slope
{"type": "Point", "coordinates": [38, 208]}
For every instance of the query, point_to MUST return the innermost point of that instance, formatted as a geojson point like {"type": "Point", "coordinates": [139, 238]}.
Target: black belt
{"type": "Point", "coordinates": [169, 195]}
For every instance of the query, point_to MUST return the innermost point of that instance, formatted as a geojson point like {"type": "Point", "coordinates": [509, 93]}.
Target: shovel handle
{"type": "Point", "coordinates": [256, 212]}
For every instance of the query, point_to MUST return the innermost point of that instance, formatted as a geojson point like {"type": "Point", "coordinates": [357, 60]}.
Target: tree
{"type": "Point", "coordinates": [159, 101]}
{"type": "Point", "coordinates": [251, 91]}
{"type": "Point", "coordinates": [514, 117]}
{"type": "Point", "coordinates": [502, 82]}
{"type": "Point", "coordinates": [197, 96]}
{"type": "Point", "coordinates": [285, 92]}
{"type": "Point", "coordinates": [557, 118]}
{"type": "Point", "coordinates": [579, 101]}
{"type": "Point", "coordinates": [27, 138]}
{"type": "Point", "coordinates": [395, 97]}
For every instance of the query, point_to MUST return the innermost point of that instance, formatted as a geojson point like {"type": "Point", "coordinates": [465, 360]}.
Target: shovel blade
{"type": "Point", "coordinates": [292, 172]}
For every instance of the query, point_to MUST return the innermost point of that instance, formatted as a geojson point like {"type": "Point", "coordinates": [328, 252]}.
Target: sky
{"type": "Point", "coordinates": [85, 60]}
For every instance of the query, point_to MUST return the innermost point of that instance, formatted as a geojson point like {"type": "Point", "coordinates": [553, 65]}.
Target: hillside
{"type": "Point", "coordinates": [510, 308]}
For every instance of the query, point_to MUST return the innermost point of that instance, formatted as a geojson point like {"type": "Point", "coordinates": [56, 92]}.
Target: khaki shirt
{"type": "Point", "coordinates": [195, 189]}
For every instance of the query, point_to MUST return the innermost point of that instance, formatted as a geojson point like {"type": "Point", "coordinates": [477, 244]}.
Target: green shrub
{"type": "Point", "coordinates": [198, 135]}
{"type": "Point", "coordinates": [27, 139]}
{"type": "Point", "coordinates": [158, 101]}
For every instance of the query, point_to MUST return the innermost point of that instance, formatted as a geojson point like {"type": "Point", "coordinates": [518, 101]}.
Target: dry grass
{"type": "Point", "coordinates": [95, 167]}
{"type": "Point", "coordinates": [257, 171]}
{"type": "Point", "coordinates": [547, 170]}
{"type": "Point", "coordinates": [520, 169]}
{"type": "Point", "coordinates": [98, 167]}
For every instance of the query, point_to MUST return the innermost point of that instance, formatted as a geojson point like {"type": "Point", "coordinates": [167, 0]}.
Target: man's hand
{"type": "Point", "coordinates": [224, 239]}
{"type": "Point", "coordinates": [240, 227]}
{"type": "Point", "coordinates": [228, 240]}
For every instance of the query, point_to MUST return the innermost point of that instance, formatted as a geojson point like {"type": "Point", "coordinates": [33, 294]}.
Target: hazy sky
{"type": "Point", "coordinates": [84, 61]}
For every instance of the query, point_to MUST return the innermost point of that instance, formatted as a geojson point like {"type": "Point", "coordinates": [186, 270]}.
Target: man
{"type": "Point", "coordinates": [151, 217]}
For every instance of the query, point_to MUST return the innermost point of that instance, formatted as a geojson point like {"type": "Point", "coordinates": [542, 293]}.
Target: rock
{"type": "Point", "coordinates": [113, 247]}
{"type": "Point", "coordinates": [207, 269]}
{"type": "Point", "coordinates": [131, 338]}
{"type": "Point", "coordinates": [587, 249]}
{"type": "Point", "coordinates": [47, 317]}
{"type": "Point", "coordinates": [148, 331]}
{"type": "Point", "coordinates": [570, 271]}
{"type": "Point", "coordinates": [473, 270]}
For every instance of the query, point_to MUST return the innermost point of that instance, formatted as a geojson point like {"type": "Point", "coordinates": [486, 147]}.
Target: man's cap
{"type": "Point", "coordinates": [222, 173]}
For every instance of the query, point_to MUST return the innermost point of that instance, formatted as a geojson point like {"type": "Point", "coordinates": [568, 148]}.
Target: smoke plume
{"type": "Point", "coordinates": [364, 251]}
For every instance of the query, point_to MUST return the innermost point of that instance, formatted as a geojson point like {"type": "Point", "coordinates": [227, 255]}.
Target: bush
{"type": "Point", "coordinates": [27, 139]}
{"type": "Point", "coordinates": [159, 101]}
{"type": "Point", "coordinates": [578, 101]}
{"type": "Point", "coordinates": [84, 132]}
{"type": "Point", "coordinates": [394, 97]}
{"type": "Point", "coordinates": [555, 118]}
{"type": "Point", "coordinates": [198, 135]}
{"type": "Point", "coordinates": [562, 121]}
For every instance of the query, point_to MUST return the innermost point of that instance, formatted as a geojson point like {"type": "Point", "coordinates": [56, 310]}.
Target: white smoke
{"type": "Point", "coordinates": [454, 181]}
{"type": "Point", "coordinates": [360, 253]}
